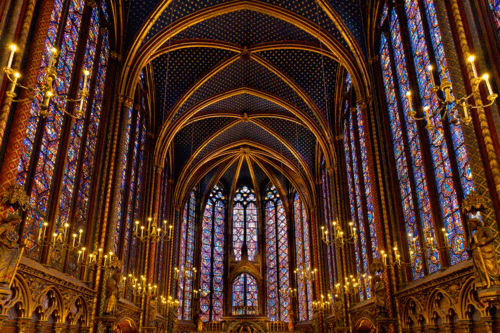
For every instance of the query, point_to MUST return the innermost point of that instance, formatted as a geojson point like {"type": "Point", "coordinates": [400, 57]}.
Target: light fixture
{"type": "Point", "coordinates": [152, 231]}
{"type": "Point", "coordinates": [47, 90]}
{"type": "Point", "coordinates": [447, 104]}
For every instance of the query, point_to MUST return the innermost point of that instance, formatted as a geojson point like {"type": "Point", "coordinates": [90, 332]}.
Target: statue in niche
{"type": "Point", "coordinates": [482, 246]}
{"type": "Point", "coordinates": [112, 290]}
{"type": "Point", "coordinates": [152, 309]}
{"type": "Point", "coordinates": [10, 251]}
{"type": "Point", "coordinates": [378, 289]}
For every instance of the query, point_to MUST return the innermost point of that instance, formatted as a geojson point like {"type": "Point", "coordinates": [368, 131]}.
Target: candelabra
{"type": "Point", "coordinates": [449, 101]}
{"type": "Point", "coordinates": [140, 287]}
{"type": "Point", "coordinates": [59, 241]}
{"type": "Point", "coordinates": [47, 90]}
{"type": "Point", "coordinates": [183, 273]}
{"type": "Point", "coordinates": [152, 231]}
{"type": "Point", "coordinates": [197, 293]}
{"type": "Point", "coordinates": [397, 257]}
{"type": "Point", "coordinates": [430, 246]}
{"type": "Point", "coordinates": [305, 274]}
{"type": "Point", "coordinates": [338, 234]}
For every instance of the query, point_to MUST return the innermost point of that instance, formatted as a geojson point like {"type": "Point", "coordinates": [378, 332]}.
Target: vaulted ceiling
{"type": "Point", "coordinates": [244, 90]}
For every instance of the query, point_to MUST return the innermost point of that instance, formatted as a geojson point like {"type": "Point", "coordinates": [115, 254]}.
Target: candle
{"type": "Point", "coordinates": [79, 255]}
{"type": "Point", "coordinates": [473, 65]}
{"type": "Point", "coordinates": [66, 225]}
{"type": "Point", "coordinates": [430, 69]}
{"type": "Point", "coordinates": [105, 259]}
{"type": "Point", "coordinates": [136, 226]}
{"type": "Point", "coordinates": [170, 230]}
{"type": "Point", "coordinates": [142, 231]}
{"type": "Point", "coordinates": [408, 95]}
{"type": "Point", "coordinates": [54, 235]}
{"type": "Point", "coordinates": [486, 78]}
{"type": "Point", "coordinates": [13, 49]}
{"type": "Point", "coordinates": [466, 111]}
{"type": "Point", "coordinates": [16, 77]}
{"type": "Point", "coordinates": [74, 239]}
{"type": "Point", "coordinates": [80, 236]}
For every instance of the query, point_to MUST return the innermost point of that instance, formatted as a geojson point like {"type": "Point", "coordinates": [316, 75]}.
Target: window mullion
{"type": "Point", "coordinates": [278, 295]}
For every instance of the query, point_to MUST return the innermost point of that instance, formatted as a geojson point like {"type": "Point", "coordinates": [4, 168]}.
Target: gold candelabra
{"type": "Point", "coordinates": [305, 274]}
{"type": "Point", "coordinates": [197, 293]}
{"type": "Point", "coordinates": [183, 273]}
{"type": "Point", "coordinates": [449, 101]}
{"type": "Point", "coordinates": [291, 292]}
{"type": "Point", "coordinates": [47, 90]}
{"type": "Point", "coordinates": [338, 234]}
{"type": "Point", "coordinates": [152, 231]}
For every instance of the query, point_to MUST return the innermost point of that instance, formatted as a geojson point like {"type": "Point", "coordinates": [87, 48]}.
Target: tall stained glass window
{"type": "Point", "coordinates": [328, 221]}
{"type": "Point", "coordinates": [186, 259]}
{"type": "Point", "coordinates": [245, 295]}
{"type": "Point", "coordinates": [447, 154]}
{"type": "Point", "coordinates": [36, 173]}
{"type": "Point", "coordinates": [212, 257]}
{"type": "Point", "coordinates": [245, 222]}
{"type": "Point", "coordinates": [278, 279]}
{"type": "Point", "coordinates": [304, 259]}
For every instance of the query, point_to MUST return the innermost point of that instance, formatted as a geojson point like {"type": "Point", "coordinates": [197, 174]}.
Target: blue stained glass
{"type": "Point", "coordinates": [359, 221]}
{"type": "Point", "coordinates": [352, 197]}
{"type": "Point", "coordinates": [303, 257]}
{"type": "Point", "coordinates": [278, 303]}
{"type": "Point", "coordinates": [367, 182]}
{"type": "Point", "coordinates": [401, 162]}
{"type": "Point", "coordinates": [348, 82]}
{"type": "Point", "coordinates": [212, 257]}
{"type": "Point", "coordinates": [450, 210]}
{"type": "Point", "coordinates": [421, 190]}
{"type": "Point", "coordinates": [245, 222]}
{"type": "Point", "coordinates": [186, 261]}
{"type": "Point", "coordinates": [245, 295]}
{"type": "Point", "coordinates": [385, 12]}
{"type": "Point", "coordinates": [495, 8]}
{"type": "Point", "coordinates": [45, 162]}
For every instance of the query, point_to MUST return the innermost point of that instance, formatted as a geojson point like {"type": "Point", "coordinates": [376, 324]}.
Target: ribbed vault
{"type": "Point", "coordinates": [244, 89]}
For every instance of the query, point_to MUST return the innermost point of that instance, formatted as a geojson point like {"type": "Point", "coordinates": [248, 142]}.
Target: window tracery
{"type": "Point", "coordinates": [245, 222]}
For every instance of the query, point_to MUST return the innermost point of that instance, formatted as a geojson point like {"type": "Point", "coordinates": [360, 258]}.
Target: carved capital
{"type": "Point", "coordinates": [473, 203]}
{"type": "Point", "coordinates": [114, 55]}
{"type": "Point", "coordinates": [128, 102]}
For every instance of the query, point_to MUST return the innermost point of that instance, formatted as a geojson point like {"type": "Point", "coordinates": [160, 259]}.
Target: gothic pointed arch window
{"type": "Point", "coordinates": [186, 258]}
{"type": "Point", "coordinates": [245, 222]}
{"type": "Point", "coordinates": [409, 43]}
{"type": "Point", "coordinates": [245, 295]}
{"type": "Point", "coordinates": [54, 145]}
{"type": "Point", "coordinates": [362, 224]}
{"type": "Point", "coordinates": [277, 256]}
{"type": "Point", "coordinates": [212, 257]}
{"type": "Point", "coordinates": [303, 259]}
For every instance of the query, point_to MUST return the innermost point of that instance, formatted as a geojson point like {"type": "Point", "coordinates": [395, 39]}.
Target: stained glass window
{"type": "Point", "coordinates": [245, 222]}
{"type": "Point", "coordinates": [278, 279]}
{"type": "Point", "coordinates": [212, 257]}
{"type": "Point", "coordinates": [245, 295]}
{"type": "Point", "coordinates": [495, 8]}
{"type": "Point", "coordinates": [303, 257]}
{"type": "Point", "coordinates": [385, 12]}
{"type": "Point", "coordinates": [186, 259]}
{"type": "Point", "coordinates": [426, 49]}
{"type": "Point", "coordinates": [328, 220]}
{"type": "Point", "coordinates": [48, 134]}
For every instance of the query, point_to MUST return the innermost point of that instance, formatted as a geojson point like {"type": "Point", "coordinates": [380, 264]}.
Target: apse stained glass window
{"type": "Point", "coordinates": [245, 222]}
{"type": "Point", "coordinates": [304, 260]}
{"type": "Point", "coordinates": [278, 279]}
{"type": "Point", "coordinates": [245, 295]}
{"type": "Point", "coordinates": [186, 259]}
{"type": "Point", "coordinates": [212, 257]}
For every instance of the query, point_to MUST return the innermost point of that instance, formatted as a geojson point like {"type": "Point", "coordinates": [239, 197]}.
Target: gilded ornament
{"type": "Point", "coordinates": [486, 267]}
{"type": "Point", "coordinates": [474, 203]}
{"type": "Point", "coordinates": [10, 252]}
{"type": "Point", "coordinates": [16, 197]}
